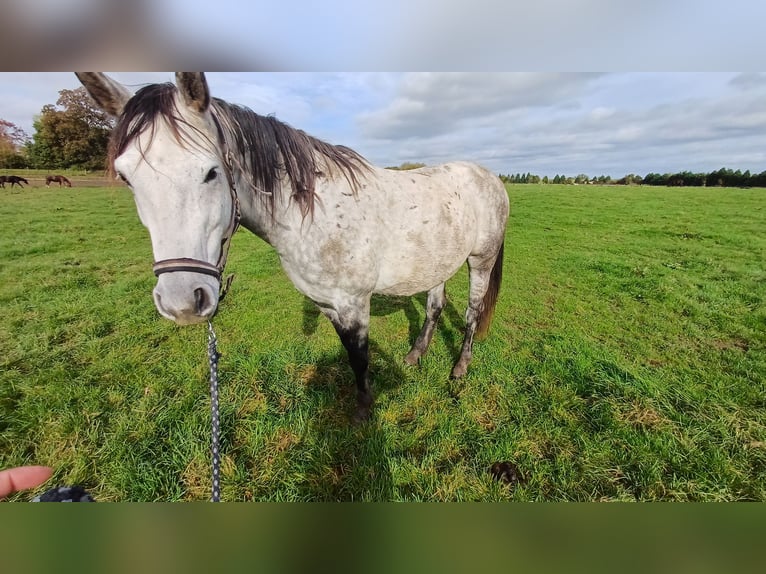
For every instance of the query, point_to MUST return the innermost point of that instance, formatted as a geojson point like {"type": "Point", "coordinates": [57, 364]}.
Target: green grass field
{"type": "Point", "coordinates": [627, 361]}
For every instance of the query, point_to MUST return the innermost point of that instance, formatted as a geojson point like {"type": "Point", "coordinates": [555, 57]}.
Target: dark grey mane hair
{"type": "Point", "coordinates": [266, 147]}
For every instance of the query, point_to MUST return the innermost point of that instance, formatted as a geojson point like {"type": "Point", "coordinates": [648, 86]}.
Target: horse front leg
{"type": "Point", "coordinates": [352, 324]}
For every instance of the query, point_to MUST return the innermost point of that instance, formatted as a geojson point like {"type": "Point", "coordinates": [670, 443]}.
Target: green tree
{"type": "Point", "coordinates": [73, 133]}
{"type": "Point", "coordinates": [12, 140]}
{"type": "Point", "coordinates": [630, 179]}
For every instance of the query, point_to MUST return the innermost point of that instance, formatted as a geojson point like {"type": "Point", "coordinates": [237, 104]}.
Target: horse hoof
{"type": "Point", "coordinates": [362, 414]}
{"type": "Point", "coordinates": [412, 358]}
{"type": "Point", "coordinates": [363, 407]}
{"type": "Point", "coordinates": [458, 372]}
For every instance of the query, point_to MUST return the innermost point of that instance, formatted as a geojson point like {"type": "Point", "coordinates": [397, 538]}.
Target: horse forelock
{"type": "Point", "coordinates": [150, 105]}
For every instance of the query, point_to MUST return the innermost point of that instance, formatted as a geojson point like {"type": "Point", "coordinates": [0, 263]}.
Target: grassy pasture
{"type": "Point", "coordinates": [626, 362]}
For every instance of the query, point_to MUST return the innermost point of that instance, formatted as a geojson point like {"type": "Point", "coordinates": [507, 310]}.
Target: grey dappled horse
{"type": "Point", "coordinates": [343, 229]}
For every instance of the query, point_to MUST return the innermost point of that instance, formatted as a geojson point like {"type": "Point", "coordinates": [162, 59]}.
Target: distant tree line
{"type": "Point", "coordinates": [723, 177]}
{"type": "Point", "coordinates": [531, 178]}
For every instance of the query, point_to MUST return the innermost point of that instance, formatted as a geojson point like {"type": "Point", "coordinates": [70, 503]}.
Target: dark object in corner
{"type": "Point", "coordinates": [507, 473]}
{"type": "Point", "coordinates": [64, 494]}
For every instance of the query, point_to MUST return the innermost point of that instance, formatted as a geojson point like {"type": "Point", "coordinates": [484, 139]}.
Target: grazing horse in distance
{"type": "Point", "coordinates": [60, 179]}
{"type": "Point", "coordinates": [13, 180]}
{"type": "Point", "coordinates": [343, 228]}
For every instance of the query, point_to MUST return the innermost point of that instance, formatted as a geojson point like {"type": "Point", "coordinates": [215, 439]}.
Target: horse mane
{"type": "Point", "coordinates": [269, 149]}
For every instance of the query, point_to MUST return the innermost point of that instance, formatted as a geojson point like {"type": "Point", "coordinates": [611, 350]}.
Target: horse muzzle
{"type": "Point", "coordinates": [186, 297]}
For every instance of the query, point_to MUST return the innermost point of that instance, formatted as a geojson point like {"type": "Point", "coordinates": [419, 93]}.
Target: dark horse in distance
{"type": "Point", "coordinates": [12, 179]}
{"type": "Point", "coordinates": [60, 179]}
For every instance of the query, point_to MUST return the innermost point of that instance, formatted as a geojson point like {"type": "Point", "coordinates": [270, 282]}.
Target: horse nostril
{"type": "Point", "coordinates": [199, 300]}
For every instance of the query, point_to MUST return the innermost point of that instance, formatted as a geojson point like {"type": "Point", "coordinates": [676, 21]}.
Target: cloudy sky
{"type": "Point", "coordinates": [544, 123]}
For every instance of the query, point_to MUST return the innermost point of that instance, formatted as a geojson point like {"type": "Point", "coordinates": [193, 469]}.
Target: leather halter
{"type": "Point", "coordinates": [191, 265]}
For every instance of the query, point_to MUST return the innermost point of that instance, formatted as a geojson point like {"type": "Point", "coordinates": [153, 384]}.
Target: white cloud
{"type": "Point", "coordinates": [435, 103]}
{"type": "Point", "coordinates": [573, 124]}
{"type": "Point", "coordinates": [602, 113]}
{"type": "Point", "coordinates": [749, 81]}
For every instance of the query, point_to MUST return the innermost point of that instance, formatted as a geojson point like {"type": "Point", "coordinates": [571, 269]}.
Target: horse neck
{"type": "Point", "coordinates": [257, 214]}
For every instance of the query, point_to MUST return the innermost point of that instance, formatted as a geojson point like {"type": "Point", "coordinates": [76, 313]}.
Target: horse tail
{"type": "Point", "coordinates": [490, 297]}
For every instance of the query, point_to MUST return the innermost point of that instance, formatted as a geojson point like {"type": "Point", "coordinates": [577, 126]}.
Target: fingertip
{"type": "Point", "coordinates": [23, 477]}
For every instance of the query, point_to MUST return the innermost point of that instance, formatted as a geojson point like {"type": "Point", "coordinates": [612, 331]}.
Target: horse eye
{"type": "Point", "coordinates": [211, 175]}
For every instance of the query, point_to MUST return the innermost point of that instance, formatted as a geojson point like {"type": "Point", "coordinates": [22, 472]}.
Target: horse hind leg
{"type": "Point", "coordinates": [485, 276]}
{"type": "Point", "coordinates": [437, 298]}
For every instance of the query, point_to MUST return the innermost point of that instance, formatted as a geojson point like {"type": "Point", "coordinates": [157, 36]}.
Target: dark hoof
{"type": "Point", "coordinates": [362, 414]}
{"type": "Point", "coordinates": [363, 408]}
{"type": "Point", "coordinates": [507, 473]}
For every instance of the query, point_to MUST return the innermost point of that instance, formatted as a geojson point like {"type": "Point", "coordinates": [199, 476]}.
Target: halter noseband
{"type": "Point", "coordinates": [187, 264]}
{"type": "Point", "coordinates": [192, 265]}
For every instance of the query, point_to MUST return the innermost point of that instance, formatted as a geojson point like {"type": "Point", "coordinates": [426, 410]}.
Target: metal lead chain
{"type": "Point", "coordinates": [213, 356]}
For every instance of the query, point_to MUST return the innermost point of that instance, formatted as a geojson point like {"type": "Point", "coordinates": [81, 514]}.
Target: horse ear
{"type": "Point", "coordinates": [194, 90]}
{"type": "Point", "coordinates": [109, 95]}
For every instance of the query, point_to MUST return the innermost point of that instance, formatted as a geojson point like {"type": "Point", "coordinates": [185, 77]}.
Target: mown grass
{"type": "Point", "coordinates": [626, 361]}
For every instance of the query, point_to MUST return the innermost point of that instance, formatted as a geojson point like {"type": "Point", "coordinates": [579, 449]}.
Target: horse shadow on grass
{"type": "Point", "coordinates": [315, 451]}
{"type": "Point", "coordinates": [450, 327]}
{"type": "Point", "coordinates": [350, 460]}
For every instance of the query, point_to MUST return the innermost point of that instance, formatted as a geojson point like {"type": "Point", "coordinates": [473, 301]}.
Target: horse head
{"type": "Point", "coordinates": [167, 147]}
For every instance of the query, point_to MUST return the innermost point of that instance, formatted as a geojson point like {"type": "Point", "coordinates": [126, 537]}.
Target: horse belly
{"type": "Point", "coordinates": [330, 259]}
{"type": "Point", "coordinates": [420, 257]}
